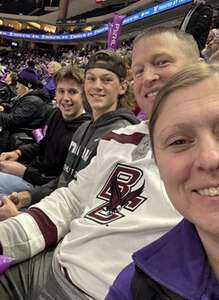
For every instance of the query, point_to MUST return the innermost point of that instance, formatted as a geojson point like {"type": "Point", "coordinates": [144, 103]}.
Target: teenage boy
{"type": "Point", "coordinates": [46, 158]}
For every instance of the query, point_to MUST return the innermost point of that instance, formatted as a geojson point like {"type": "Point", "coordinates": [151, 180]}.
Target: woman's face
{"type": "Point", "coordinates": [52, 68]}
{"type": "Point", "coordinates": [186, 143]}
{"type": "Point", "coordinates": [102, 89]}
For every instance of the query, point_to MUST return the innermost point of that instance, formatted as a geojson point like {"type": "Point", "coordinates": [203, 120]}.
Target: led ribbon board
{"type": "Point", "coordinates": [167, 5]}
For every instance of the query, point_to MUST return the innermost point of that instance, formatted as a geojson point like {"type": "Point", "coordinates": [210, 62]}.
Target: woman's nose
{"type": "Point", "coordinates": [207, 157]}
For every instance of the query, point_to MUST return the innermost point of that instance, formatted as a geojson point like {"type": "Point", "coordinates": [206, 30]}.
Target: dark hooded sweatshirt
{"type": "Point", "coordinates": [83, 148]}
{"type": "Point", "coordinates": [48, 156]}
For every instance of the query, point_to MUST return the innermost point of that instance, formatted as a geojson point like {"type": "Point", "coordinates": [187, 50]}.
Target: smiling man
{"type": "Point", "coordinates": [117, 204]}
{"type": "Point", "coordinates": [157, 55]}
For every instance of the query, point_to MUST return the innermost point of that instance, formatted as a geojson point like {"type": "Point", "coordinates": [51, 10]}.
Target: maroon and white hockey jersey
{"type": "Point", "coordinates": [115, 206]}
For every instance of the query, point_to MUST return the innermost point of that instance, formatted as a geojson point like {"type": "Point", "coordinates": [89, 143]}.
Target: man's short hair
{"type": "Point", "coordinates": [187, 41]}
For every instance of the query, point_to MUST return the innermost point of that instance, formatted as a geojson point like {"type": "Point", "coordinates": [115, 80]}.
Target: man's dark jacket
{"type": "Point", "coordinates": [29, 111]}
{"type": "Point", "coordinates": [198, 23]}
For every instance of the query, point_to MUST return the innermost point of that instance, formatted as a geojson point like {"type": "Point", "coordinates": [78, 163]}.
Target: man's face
{"type": "Point", "coordinates": [21, 89]}
{"type": "Point", "coordinates": [154, 60]}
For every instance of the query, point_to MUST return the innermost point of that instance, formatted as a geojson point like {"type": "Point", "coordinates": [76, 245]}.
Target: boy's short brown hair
{"type": "Point", "coordinates": [70, 72]}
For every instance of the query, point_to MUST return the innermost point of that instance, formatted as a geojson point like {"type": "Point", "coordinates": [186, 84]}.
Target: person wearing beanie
{"type": "Point", "coordinates": [30, 109]}
{"type": "Point", "coordinates": [28, 78]}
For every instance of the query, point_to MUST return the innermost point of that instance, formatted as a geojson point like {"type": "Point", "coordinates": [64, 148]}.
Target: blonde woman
{"type": "Point", "coordinates": [184, 130]}
{"type": "Point", "coordinates": [53, 67]}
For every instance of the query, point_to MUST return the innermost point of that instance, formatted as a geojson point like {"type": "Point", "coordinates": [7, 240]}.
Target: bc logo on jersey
{"type": "Point", "coordinates": [122, 190]}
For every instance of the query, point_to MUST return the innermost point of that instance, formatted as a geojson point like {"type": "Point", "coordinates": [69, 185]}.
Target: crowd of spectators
{"type": "Point", "coordinates": [96, 196]}
{"type": "Point", "coordinates": [14, 60]}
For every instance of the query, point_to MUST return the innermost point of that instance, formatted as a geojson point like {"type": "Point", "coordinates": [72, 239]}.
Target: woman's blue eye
{"type": "Point", "coordinates": [180, 142]}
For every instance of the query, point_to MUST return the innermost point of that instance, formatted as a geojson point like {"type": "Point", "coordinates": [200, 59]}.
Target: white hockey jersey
{"type": "Point", "coordinates": [117, 205]}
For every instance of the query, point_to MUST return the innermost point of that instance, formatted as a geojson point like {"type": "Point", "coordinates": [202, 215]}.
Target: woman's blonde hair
{"type": "Point", "coordinates": [56, 66]}
{"type": "Point", "coordinates": [185, 78]}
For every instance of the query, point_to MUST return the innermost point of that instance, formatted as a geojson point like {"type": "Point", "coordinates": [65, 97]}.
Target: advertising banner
{"type": "Point", "coordinates": [114, 32]}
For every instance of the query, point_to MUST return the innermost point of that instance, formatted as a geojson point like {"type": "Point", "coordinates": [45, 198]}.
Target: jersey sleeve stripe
{"type": "Point", "coordinates": [134, 138]}
{"type": "Point", "coordinates": [46, 226]}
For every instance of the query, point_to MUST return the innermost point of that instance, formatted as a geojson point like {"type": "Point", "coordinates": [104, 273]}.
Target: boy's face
{"type": "Point", "coordinates": [102, 89]}
{"type": "Point", "coordinates": [69, 98]}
